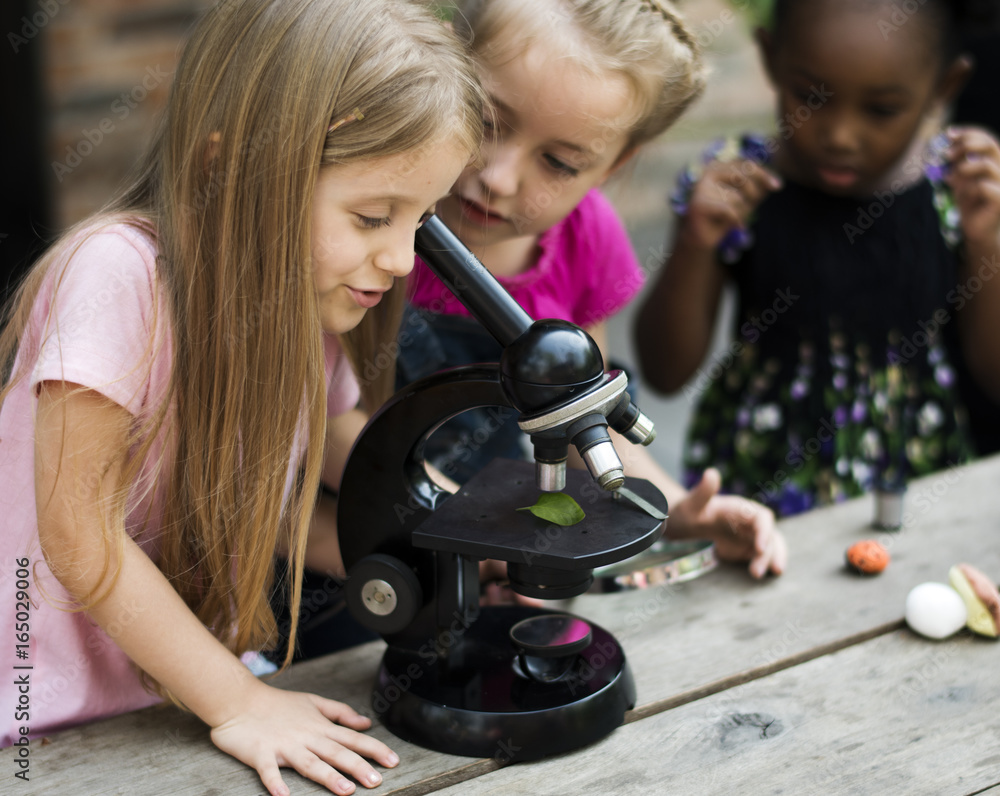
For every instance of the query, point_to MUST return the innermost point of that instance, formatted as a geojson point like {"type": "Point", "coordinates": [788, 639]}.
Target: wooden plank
{"type": "Point", "coordinates": [684, 642]}
{"type": "Point", "coordinates": [894, 715]}
{"type": "Point", "coordinates": [685, 637]}
{"type": "Point", "coordinates": [160, 750]}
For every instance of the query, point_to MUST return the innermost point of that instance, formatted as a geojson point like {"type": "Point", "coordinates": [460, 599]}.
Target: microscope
{"type": "Point", "coordinates": [511, 682]}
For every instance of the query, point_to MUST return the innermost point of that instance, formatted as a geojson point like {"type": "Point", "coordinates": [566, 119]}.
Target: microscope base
{"type": "Point", "coordinates": [475, 701]}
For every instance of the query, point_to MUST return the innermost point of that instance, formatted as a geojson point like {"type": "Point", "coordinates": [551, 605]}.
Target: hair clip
{"type": "Point", "coordinates": [356, 115]}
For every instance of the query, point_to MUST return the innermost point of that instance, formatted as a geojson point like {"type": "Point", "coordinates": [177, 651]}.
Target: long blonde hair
{"type": "Point", "coordinates": [646, 41]}
{"type": "Point", "coordinates": [226, 189]}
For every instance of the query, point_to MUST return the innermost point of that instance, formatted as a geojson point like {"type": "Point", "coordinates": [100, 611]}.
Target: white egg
{"type": "Point", "coordinates": [935, 610]}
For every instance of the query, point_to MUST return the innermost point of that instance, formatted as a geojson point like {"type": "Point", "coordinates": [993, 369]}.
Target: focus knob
{"type": "Point", "coordinates": [383, 593]}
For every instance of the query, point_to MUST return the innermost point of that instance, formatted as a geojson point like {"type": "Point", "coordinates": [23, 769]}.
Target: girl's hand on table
{"type": "Point", "coordinates": [741, 529]}
{"type": "Point", "coordinates": [320, 738]}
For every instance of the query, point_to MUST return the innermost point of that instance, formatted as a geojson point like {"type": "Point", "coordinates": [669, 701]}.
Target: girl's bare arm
{"type": "Point", "coordinates": [79, 435]}
{"type": "Point", "coordinates": [677, 319]}
{"type": "Point", "coordinates": [675, 323]}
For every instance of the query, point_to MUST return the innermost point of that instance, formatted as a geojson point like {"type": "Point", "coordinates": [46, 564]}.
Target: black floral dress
{"type": "Point", "coordinates": [842, 372]}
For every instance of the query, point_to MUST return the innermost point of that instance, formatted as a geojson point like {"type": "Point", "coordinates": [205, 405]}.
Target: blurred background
{"type": "Point", "coordinates": [84, 80]}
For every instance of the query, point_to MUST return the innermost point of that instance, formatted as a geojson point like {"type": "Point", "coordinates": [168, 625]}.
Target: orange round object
{"type": "Point", "coordinates": [867, 557]}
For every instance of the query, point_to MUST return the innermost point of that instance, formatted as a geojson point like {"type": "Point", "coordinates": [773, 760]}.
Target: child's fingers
{"type": "Point", "coordinates": [971, 142]}
{"type": "Point", "coordinates": [314, 765]}
{"type": "Point", "coordinates": [773, 558]}
{"type": "Point", "coordinates": [763, 528]}
{"type": "Point", "coordinates": [724, 199]}
{"type": "Point", "coordinates": [976, 167]}
{"type": "Point", "coordinates": [341, 713]}
{"type": "Point", "coordinates": [745, 172]}
{"type": "Point", "coordinates": [722, 211]}
{"type": "Point", "coordinates": [270, 777]}
{"type": "Point", "coordinates": [978, 193]}
{"type": "Point", "coordinates": [751, 179]}
{"type": "Point", "coordinates": [363, 746]}
{"type": "Point", "coordinates": [741, 185]}
{"type": "Point", "coordinates": [762, 180]}
{"type": "Point", "coordinates": [346, 730]}
{"type": "Point", "coordinates": [976, 185]}
{"type": "Point", "coordinates": [698, 497]}
{"type": "Point", "coordinates": [331, 754]}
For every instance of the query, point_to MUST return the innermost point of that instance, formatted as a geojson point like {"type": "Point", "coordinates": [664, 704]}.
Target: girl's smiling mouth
{"type": "Point", "coordinates": [366, 298]}
{"type": "Point", "coordinates": [477, 214]}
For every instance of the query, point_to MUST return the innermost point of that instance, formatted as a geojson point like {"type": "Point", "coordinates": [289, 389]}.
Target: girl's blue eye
{"type": "Point", "coordinates": [372, 223]}
{"type": "Point", "coordinates": [561, 165]}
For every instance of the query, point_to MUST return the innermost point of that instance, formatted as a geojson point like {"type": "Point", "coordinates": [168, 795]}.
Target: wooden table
{"type": "Point", "coordinates": [805, 684]}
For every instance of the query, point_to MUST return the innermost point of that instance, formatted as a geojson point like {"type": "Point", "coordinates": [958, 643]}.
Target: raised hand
{"type": "Point", "coordinates": [974, 178]}
{"type": "Point", "coordinates": [723, 199]}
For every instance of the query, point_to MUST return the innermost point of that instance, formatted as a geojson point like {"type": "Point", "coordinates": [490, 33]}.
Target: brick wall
{"type": "Point", "coordinates": [107, 69]}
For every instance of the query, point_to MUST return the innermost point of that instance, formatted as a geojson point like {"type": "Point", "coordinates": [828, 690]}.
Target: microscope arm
{"type": "Point", "coordinates": [551, 371]}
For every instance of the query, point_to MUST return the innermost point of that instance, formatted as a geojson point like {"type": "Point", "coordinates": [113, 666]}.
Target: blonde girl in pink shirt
{"type": "Point", "coordinates": [178, 381]}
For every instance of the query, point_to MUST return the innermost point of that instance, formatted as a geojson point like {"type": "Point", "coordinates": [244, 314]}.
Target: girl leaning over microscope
{"type": "Point", "coordinates": [176, 366]}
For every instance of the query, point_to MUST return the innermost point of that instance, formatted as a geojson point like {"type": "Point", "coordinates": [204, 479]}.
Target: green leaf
{"type": "Point", "coordinates": [557, 507]}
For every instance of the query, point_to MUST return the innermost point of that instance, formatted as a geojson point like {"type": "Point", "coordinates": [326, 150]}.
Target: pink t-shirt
{"type": "Point", "coordinates": [97, 324]}
{"type": "Point", "coordinates": [586, 271]}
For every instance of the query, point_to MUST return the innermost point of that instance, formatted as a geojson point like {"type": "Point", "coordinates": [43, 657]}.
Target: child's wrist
{"type": "Point", "coordinates": [689, 242]}
{"type": "Point", "coordinates": [224, 703]}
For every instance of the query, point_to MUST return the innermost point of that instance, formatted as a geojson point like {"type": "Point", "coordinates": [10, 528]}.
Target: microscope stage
{"type": "Point", "coordinates": [482, 519]}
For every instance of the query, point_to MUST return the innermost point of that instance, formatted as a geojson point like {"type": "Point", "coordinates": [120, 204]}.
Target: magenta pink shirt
{"type": "Point", "coordinates": [96, 323]}
{"type": "Point", "coordinates": [586, 271]}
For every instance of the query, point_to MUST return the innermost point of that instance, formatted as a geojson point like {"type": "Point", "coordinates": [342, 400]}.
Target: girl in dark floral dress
{"type": "Point", "coordinates": [862, 256]}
